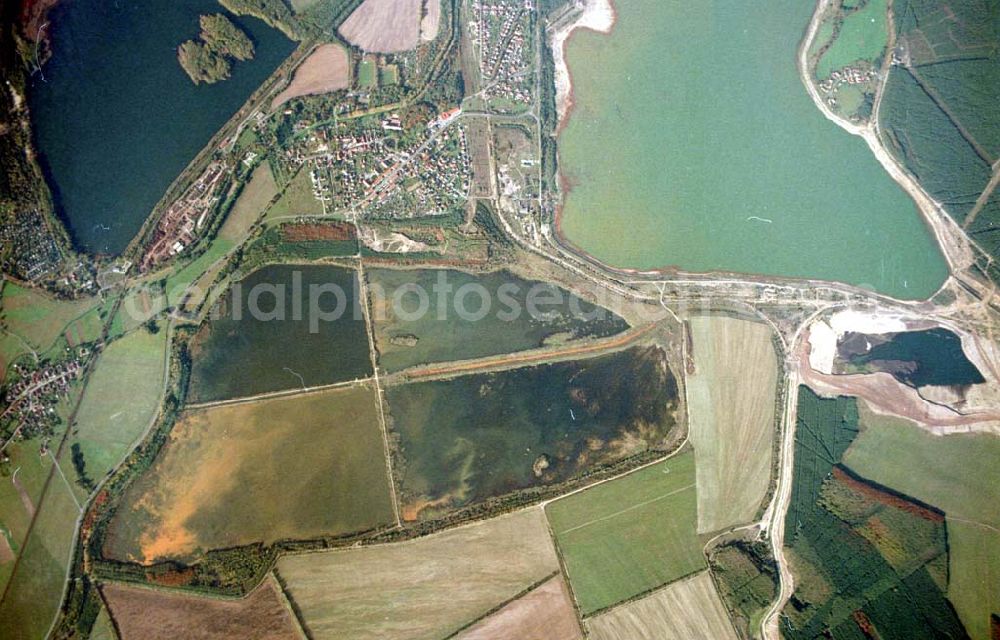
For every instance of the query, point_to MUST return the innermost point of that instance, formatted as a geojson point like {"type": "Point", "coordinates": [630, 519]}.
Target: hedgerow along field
{"type": "Point", "coordinates": [466, 439]}
{"type": "Point", "coordinates": [958, 474]}
{"type": "Point", "coordinates": [253, 355]}
{"type": "Point", "coordinates": [441, 334]}
{"type": "Point", "coordinates": [544, 612]}
{"type": "Point", "coordinates": [437, 585]}
{"type": "Point", "coordinates": [863, 557]}
{"type": "Point", "coordinates": [122, 397]}
{"type": "Point", "coordinates": [731, 407]}
{"type": "Point", "coordinates": [622, 538]}
{"type": "Point", "coordinates": [307, 466]}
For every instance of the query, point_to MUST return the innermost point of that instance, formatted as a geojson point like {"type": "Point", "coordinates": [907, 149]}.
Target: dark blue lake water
{"type": "Point", "coordinates": [116, 118]}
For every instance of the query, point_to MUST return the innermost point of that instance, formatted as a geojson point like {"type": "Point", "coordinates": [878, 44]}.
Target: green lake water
{"type": "Point", "coordinates": [115, 117]}
{"type": "Point", "coordinates": [691, 122]}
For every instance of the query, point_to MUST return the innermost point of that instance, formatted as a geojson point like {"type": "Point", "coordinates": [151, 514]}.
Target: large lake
{"type": "Point", "coordinates": [115, 117]}
{"type": "Point", "coordinates": [693, 123]}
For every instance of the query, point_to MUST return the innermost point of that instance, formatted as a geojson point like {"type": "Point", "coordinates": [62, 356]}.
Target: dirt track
{"type": "Point", "coordinates": [527, 358]}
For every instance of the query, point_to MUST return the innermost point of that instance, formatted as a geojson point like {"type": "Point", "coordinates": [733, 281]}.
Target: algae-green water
{"type": "Point", "coordinates": [693, 143]}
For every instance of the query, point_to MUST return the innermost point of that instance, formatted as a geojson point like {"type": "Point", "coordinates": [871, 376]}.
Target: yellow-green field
{"type": "Point", "coordinates": [21, 483]}
{"type": "Point", "coordinates": [423, 589]}
{"type": "Point", "coordinates": [256, 195]}
{"type": "Point", "coordinates": [623, 538]}
{"type": "Point", "coordinates": [958, 474]}
{"type": "Point", "coordinates": [33, 595]}
{"type": "Point", "coordinates": [731, 406]}
{"type": "Point", "coordinates": [121, 398]}
{"type": "Point", "coordinates": [688, 608]}
{"type": "Point", "coordinates": [296, 200]}
{"type": "Point", "coordinates": [289, 468]}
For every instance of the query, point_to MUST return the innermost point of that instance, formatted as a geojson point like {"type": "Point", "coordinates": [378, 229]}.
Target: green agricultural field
{"type": "Point", "coordinates": [253, 199]}
{"type": "Point", "coordinates": [103, 628]}
{"type": "Point", "coordinates": [405, 338]}
{"type": "Point", "coordinates": [301, 467]}
{"type": "Point", "coordinates": [296, 200]}
{"type": "Point", "coordinates": [467, 439]}
{"type": "Point", "coordinates": [19, 501]}
{"type": "Point", "coordinates": [622, 538]}
{"type": "Point", "coordinates": [959, 475]}
{"type": "Point", "coordinates": [243, 353]}
{"type": "Point", "coordinates": [34, 592]}
{"type": "Point", "coordinates": [38, 318]}
{"type": "Point", "coordinates": [121, 398]}
{"type": "Point", "coordinates": [863, 36]}
{"type": "Point", "coordinates": [367, 74]}
{"type": "Point", "coordinates": [389, 75]}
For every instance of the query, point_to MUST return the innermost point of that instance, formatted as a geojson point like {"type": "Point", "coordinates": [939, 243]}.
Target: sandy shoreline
{"type": "Point", "coordinates": [596, 15]}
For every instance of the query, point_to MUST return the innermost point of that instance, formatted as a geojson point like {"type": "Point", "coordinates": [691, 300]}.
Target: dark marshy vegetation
{"type": "Point", "coordinates": [869, 562]}
{"type": "Point", "coordinates": [471, 438]}
{"type": "Point", "coordinates": [208, 60]}
{"type": "Point", "coordinates": [747, 579]}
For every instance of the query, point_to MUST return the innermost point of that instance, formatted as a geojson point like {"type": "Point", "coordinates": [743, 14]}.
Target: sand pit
{"type": "Point", "coordinates": [327, 69]}
{"type": "Point", "coordinates": [391, 26]}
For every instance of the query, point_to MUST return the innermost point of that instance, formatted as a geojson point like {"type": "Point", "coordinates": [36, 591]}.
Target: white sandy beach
{"type": "Point", "coordinates": [597, 15]}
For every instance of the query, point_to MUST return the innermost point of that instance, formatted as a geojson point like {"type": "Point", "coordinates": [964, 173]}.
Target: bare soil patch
{"type": "Point", "coordinates": [546, 613]}
{"type": "Point", "coordinates": [327, 69]}
{"type": "Point", "coordinates": [149, 614]}
{"type": "Point", "coordinates": [384, 26]}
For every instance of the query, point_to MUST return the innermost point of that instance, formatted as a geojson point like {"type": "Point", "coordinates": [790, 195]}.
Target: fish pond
{"type": "Point", "coordinates": [522, 314]}
{"type": "Point", "coordinates": [115, 117]}
{"type": "Point", "coordinates": [693, 143]}
{"type": "Point", "coordinates": [281, 327]}
{"type": "Point", "coordinates": [470, 438]}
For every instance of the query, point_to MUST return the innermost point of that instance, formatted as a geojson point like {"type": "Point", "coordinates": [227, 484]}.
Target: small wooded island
{"type": "Point", "coordinates": [208, 59]}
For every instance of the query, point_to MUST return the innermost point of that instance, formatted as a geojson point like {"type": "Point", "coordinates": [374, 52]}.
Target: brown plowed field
{"type": "Point", "coordinates": [148, 614]}
{"type": "Point", "coordinates": [545, 613]}
{"type": "Point", "coordinates": [327, 69]}
{"type": "Point", "coordinates": [384, 26]}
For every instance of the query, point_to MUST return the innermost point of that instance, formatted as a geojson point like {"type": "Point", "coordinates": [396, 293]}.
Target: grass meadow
{"type": "Point", "coordinates": [959, 475]}
{"type": "Point", "coordinates": [121, 398]}
{"type": "Point", "coordinates": [623, 538]}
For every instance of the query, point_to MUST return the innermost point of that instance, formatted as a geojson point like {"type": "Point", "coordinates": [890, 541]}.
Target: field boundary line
{"type": "Point", "coordinates": [627, 509]}
{"type": "Point", "coordinates": [496, 609]}
{"type": "Point", "coordinates": [69, 487]}
{"type": "Point", "coordinates": [272, 395]}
